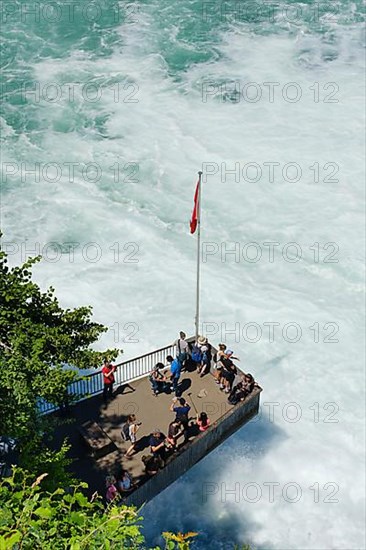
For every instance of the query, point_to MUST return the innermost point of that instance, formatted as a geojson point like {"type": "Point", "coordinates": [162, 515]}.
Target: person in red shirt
{"type": "Point", "coordinates": [108, 371]}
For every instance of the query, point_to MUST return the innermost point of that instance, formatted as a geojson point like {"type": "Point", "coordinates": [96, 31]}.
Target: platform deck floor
{"type": "Point", "coordinates": [134, 398]}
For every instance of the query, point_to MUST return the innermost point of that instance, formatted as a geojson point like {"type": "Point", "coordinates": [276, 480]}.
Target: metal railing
{"type": "Point", "coordinates": [92, 384]}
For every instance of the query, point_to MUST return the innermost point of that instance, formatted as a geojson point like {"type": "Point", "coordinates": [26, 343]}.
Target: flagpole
{"type": "Point", "coordinates": [197, 319]}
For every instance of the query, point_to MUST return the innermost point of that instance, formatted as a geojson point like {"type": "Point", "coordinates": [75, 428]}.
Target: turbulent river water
{"type": "Point", "coordinates": [109, 110]}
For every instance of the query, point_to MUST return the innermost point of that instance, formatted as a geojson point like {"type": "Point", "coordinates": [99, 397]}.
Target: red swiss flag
{"type": "Point", "coordinates": [194, 218]}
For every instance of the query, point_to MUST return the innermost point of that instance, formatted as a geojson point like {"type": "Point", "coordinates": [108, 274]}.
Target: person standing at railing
{"type": "Point", "coordinates": [228, 372]}
{"type": "Point", "coordinates": [206, 357]}
{"type": "Point", "coordinates": [182, 348]}
{"type": "Point", "coordinates": [108, 371]}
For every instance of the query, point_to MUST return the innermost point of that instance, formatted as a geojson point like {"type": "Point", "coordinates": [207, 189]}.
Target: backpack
{"type": "Point", "coordinates": [125, 432]}
{"type": "Point", "coordinates": [196, 354]}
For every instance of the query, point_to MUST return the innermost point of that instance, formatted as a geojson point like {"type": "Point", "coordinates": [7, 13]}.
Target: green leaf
{"type": "Point", "coordinates": [13, 539]}
{"type": "Point", "coordinates": [77, 518]}
{"type": "Point", "coordinates": [44, 513]}
{"type": "Point", "coordinates": [81, 499]}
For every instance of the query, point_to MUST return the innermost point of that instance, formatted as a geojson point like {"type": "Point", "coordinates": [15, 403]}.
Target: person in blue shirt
{"type": "Point", "coordinates": [175, 370]}
{"type": "Point", "coordinates": [181, 409]}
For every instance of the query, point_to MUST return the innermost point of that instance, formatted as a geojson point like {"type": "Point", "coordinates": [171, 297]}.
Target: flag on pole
{"type": "Point", "coordinates": [194, 217]}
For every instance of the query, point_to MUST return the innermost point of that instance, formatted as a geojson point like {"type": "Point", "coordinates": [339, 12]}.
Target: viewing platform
{"type": "Point", "coordinates": [133, 395]}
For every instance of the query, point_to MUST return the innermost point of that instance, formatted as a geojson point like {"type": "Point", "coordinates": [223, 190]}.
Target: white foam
{"type": "Point", "coordinates": [170, 132]}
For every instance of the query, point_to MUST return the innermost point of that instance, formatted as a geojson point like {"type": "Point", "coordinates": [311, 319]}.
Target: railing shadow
{"type": "Point", "coordinates": [121, 390]}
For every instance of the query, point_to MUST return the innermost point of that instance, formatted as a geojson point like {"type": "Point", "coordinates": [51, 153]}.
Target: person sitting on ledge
{"type": "Point", "coordinates": [112, 492]}
{"type": "Point", "coordinates": [157, 379]}
{"type": "Point", "coordinates": [203, 422]}
{"type": "Point", "coordinates": [124, 482]}
{"type": "Point", "coordinates": [241, 390]}
{"type": "Point", "coordinates": [237, 394]}
{"type": "Point", "coordinates": [248, 383]}
{"type": "Point", "coordinates": [152, 464]}
{"type": "Point", "coordinates": [157, 444]}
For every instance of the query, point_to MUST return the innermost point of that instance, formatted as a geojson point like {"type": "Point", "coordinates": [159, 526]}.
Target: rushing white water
{"type": "Point", "coordinates": [310, 431]}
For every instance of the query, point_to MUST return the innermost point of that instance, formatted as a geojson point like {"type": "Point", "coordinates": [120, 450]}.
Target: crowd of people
{"type": "Point", "coordinates": [166, 379]}
{"type": "Point", "coordinates": [200, 354]}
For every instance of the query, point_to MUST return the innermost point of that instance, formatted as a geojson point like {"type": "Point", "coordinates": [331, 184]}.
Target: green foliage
{"type": "Point", "coordinates": [31, 517]}
{"type": "Point", "coordinates": [38, 339]}
{"type": "Point", "coordinates": [36, 456]}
